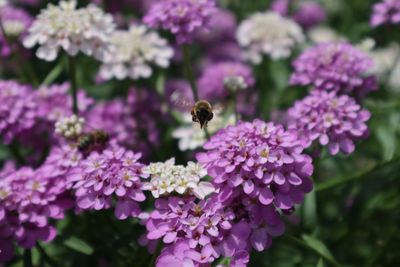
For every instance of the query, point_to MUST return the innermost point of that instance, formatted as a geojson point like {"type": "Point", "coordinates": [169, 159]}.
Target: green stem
{"type": "Point", "coordinates": [45, 256]}
{"type": "Point", "coordinates": [187, 66]}
{"type": "Point", "coordinates": [301, 243]}
{"type": "Point", "coordinates": [370, 172]}
{"type": "Point", "coordinates": [188, 72]}
{"type": "Point", "coordinates": [72, 78]}
{"type": "Point", "coordinates": [156, 253]}
{"type": "Point", "coordinates": [27, 258]}
{"type": "Point", "coordinates": [26, 71]}
{"type": "Point", "coordinates": [54, 73]}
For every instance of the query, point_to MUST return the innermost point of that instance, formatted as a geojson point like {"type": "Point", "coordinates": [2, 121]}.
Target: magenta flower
{"type": "Point", "coordinates": [202, 227]}
{"type": "Point", "coordinates": [211, 82]}
{"type": "Point", "coordinates": [130, 121]}
{"type": "Point", "coordinates": [305, 13]}
{"type": "Point", "coordinates": [183, 18]}
{"type": "Point", "coordinates": [385, 12]}
{"type": "Point", "coordinates": [113, 173]}
{"type": "Point", "coordinates": [17, 109]}
{"type": "Point", "coordinates": [15, 22]}
{"type": "Point", "coordinates": [28, 200]}
{"type": "Point", "coordinates": [309, 14]}
{"type": "Point", "coordinates": [335, 67]}
{"type": "Point", "coordinates": [54, 102]}
{"type": "Point", "coordinates": [335, 121]}
{"type": "Point", "coordinates": [259, 169]}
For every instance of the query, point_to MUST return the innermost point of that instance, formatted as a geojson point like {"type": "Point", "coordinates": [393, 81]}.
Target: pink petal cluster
{"type": "Point", "coordinates": [194, 232]}
{"type": "Point", "coordinates": [261, 169]}
{"type": "Point", "coordinates": [17, 109]}
{"type": "Point", "coordinates": [211, 82]}
{"type": "Point", "coordinates": [29, 200]}
{"type": "Point", "coordinates": [335, 66]}
{"type": "Point", "coordinates": [335, 121]}
{"type": "Point", "coordinates": [305, 13]}
{"type": "Point", "coordinates": [113, 174]}
{"type": "Point", "coordinates": [132, 122]}
{"type": "Point", "coordinates": [15, 22]}
{"type": "Point", "coordinates": [385, 12]}
{"type": "Point", "coordinates": [183, 18]}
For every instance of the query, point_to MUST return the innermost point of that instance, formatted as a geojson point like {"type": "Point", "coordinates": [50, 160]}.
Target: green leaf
{"type": "Point", "coordinates": [387, 137]}
{"type": "Point", "coordinates": [310, 210]}
{"type": "Point", "coordinates": [320, 263]}
{"type": "Point", "coordinates": [79, 245]}
{"type": "Point", "coordinates": [54, 73]}
{"type": "Point", "coordinates": [160, 84]}
{"type": "Point", "coordinates": [318, 246]}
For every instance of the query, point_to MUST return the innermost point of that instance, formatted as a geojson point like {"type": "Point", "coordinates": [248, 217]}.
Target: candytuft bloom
{"type": "Point", "coordinates": [268, 34]}
{"type": "Point", "coordinates": [70, 127]}
{"type": "Point", "coordinates": [15, 23]}
{"type": "Point", "coordinates": [73, 30]}
{"type": "Point", "coordinates": [336, 66]}
{"type": "Point", "coordinates": [200, 226]}
{"type": "Point", "coordinates": [29, 200]}
{"type": "Point", "coordinates": [133, 53]}
{"type": "Point", "coordinates": [18, 109]}
{"type": "Point", "coordinates": [183, 18]}
{"type": "Point", "coordinates": [335, 121]}
{"type": "Point", "coordinates": [212, 84]}
{"type": "Point", "coordinates": [167, 178]}
{"type": "Point", "coordinates": [259, 170]}
{"type": "Point", "coordinates": [113, 173]}
{"type": "Point", "coordinates": [385, 12]}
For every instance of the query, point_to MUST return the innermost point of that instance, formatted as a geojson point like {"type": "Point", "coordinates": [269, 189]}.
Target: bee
{"type": "Point", "coordinates": [202, 112]}
{"type": "Point", "coordinates": [92, 141]}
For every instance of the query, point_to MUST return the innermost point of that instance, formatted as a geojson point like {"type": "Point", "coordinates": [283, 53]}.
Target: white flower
{"type": "Point", "coordinates": [70, 127]}
{"type": "Point", "coordinates": [191, 137]}
{"type": "Point", "coordinates": [235, 83]}
{"type": "Point", "coordinates": [323, 34]}
{"type": "Point", "coordinates": [3, 3]}
{"type": "Point", "coordinates": [133, 53]}
{"type": "Point", "coordinates": [85, 30]}
{"type": "Point", "coordinates": [166, 178]}
{"type": "Point", "coordinates": [385, 59]}
{"type": "Point", "coordinates": [13, 27]}
{"type": "Point", "coordinates": [270, 34]}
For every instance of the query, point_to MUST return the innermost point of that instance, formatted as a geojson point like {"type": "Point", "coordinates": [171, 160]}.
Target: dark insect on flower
{"type": "Point", "coordinates": [202, 113]}
{"type": "Point", "coordinates": [94, 141]}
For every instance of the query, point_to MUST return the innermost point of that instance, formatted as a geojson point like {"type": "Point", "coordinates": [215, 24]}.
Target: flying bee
{"type": "Point", "coordinates": [92, 141]}
{"type": "Point", "coordinates": [202, 112]}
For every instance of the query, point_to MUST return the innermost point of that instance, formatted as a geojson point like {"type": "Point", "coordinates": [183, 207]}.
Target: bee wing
{"type": "Point", "coordinates": [180, 101]}
{"type": "Point", "coordinates": [218, 109]}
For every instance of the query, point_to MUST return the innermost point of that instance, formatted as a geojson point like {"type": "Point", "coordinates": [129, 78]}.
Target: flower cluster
{"type": "Point", "coordinates": [115, 172]}
{"type": "Point", "coordinates": [305, 13]}
{"type": "Point", "coordinates": [212, 82]}
{"type": "Point", "coordinates": [17, 110]}
{"type": "Point", "coordinates": [15, 23]}
{"type": "Point", "coordinates": [29, 199]}
{"type": "Point", "coordinates": [258, 168]}
{"type": "Point", "coordinates": [258, 36]}
{"type": "Point", "coordinates": [132, 53]}
{"type": "Point", "coordinates": [73, 30]}
{"type": "Point", "coordinates": [385, 12]}
{"type": "Point", "coordinates": [336, 66]}
{"type": "Point", "coordinates": [183, 18]}
{"type": "Point", "coordinates": [131, 122]}
{"type": "Point", "coordinates": [200, 226]}
{"type": "Point", "coordinates": [336, 121]}
{"type": "Point", "coordinates": [70, 127]}
{"type": "Point", "coordinates": [168, 178]}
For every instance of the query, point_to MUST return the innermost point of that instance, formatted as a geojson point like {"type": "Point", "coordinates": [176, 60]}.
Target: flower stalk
{"type": "Point", "coordinates": [72, 78]}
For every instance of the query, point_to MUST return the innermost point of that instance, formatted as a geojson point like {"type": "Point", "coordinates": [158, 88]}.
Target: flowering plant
{"type": "Point", "coordinates": [199, 133]}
